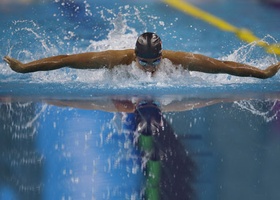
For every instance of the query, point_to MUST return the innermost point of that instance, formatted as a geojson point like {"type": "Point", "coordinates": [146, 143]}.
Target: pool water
{"type": "Point", "coordinates": [62, 138]}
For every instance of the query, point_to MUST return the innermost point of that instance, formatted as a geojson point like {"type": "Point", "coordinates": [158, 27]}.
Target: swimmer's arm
{"type": "Point", "coordinates": [200, 63]}
{"type": "Point", "coordinates": [179, 106]}
{"type": "Point", "coordinates": [91, 60]}
{"type": "Point", "coordinates": [103, 105]}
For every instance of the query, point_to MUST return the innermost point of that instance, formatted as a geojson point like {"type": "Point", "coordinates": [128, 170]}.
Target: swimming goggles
{"type": "Point", "coordinates": [145, 63]}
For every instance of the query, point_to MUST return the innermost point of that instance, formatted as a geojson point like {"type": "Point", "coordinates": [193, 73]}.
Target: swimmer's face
{"type": "Point", "coordinates": [148, 65]}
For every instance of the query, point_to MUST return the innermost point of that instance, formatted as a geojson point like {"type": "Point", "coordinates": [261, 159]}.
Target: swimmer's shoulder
{"type": "Point", "coordinates": [124, 56]}
{"type": "Point", "coordinates": [177, 57]}
{"type": "Point", "coordinates": [116, 51]}
{"type": "Point", "coordinates": [170, 53]}
{"type": "Point", "coordinates": [121, 53]}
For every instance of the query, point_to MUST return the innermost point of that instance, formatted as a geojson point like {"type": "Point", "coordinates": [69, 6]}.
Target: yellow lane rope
{"type": "Point", "coordinates": [242, 33]}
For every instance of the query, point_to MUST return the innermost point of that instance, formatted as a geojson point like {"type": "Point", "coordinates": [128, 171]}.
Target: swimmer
{"type": "Point", "coordinates": [148, 55]}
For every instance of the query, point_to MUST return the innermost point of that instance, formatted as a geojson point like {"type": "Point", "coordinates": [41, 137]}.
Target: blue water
{"type": "Point", "coordinates": [62, 139]}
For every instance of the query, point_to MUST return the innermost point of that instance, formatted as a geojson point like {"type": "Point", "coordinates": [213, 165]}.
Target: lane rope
{"type": "Point", "coordinates": [242, 33]}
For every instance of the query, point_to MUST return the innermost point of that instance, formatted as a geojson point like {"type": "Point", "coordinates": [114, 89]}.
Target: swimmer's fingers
{"type": "Point", "coordinates": [7, 59]}
{"type": "Point", "coordinates": [15, 65]}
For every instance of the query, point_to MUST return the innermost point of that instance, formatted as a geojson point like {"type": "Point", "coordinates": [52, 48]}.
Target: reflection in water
{"type": "Point", "coordinates": [167, 167]}
{"type": "Point", "coordinates": [79, 155]}
{"type": "Point", "coordinates": [21, 166]}
{"type": "Point", "coordinates": [169, 170]}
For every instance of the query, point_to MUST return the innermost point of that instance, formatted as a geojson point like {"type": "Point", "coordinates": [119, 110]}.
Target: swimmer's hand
{"type": "Point", "coordinates": [15, 65]}
{"type": "Point", "coordinates": [272, 70]}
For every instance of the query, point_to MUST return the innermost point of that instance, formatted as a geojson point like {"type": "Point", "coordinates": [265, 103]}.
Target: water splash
{"type": "Point", "coordinates": [267, 109]}
{"type": "Point", "coordinates": [120, 36]}
{"type": "Point", "coordinates": [249, 54]}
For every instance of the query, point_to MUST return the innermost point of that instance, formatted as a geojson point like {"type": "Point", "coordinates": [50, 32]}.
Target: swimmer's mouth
{"type": "Point", "coordinates": [150, 72]}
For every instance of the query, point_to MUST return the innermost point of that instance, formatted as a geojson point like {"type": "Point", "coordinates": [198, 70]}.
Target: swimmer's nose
{"type": "Point", "coordinates": [150, 68]}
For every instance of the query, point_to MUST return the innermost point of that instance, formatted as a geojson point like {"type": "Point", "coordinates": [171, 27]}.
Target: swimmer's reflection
{"type": "Point", "coordinates": [168, 167]}
{"type": "Point", "coordinates": [169, 170]}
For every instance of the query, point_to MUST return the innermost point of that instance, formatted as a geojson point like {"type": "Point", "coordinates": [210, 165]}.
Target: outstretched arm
{"type": "Point", "coordinates": [91, 60]}
{"type": "Point", "coordinates": [200, 63]}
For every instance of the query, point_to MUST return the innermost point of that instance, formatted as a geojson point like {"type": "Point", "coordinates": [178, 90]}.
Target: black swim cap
{"type": "Point", "coordinates": [148, 45]}
{"type": "Point", "coordinates": [148, 118]}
